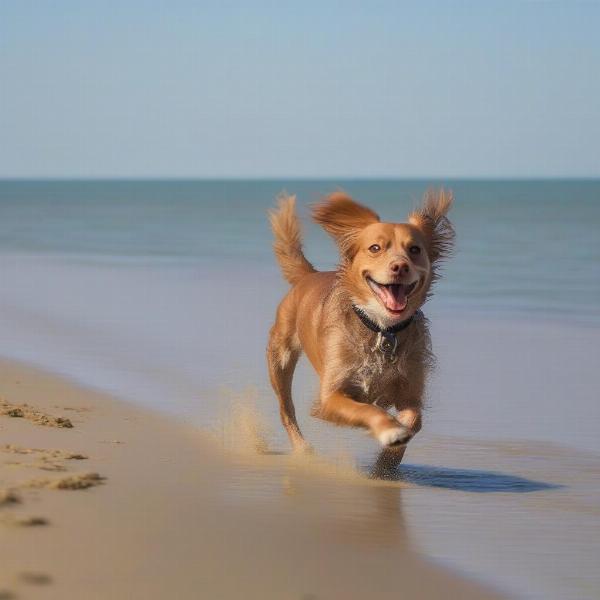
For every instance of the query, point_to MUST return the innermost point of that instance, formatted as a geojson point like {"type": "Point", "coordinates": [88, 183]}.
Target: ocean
{"type": "Point", "coordinates": [526, 248]}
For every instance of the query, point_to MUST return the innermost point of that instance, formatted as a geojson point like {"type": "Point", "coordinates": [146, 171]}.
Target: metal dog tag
{"type": "Point", "coordinates": [387, 344]}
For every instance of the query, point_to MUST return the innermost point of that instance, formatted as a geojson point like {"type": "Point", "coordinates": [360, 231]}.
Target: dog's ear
{"type": "Point", "coordinates": [431, 219]}
{"type": "Point", "coordinates": [343, 219]}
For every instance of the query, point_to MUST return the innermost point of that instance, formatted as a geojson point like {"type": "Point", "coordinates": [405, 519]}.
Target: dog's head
{"type": "Point", "coordinates": [388, 268]}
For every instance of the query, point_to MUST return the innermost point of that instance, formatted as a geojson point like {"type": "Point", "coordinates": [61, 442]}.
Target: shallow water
{"type": "Point", "coordinates": [162, 293]}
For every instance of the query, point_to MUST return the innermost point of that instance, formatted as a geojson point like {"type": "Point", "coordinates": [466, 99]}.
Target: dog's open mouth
{"type": "Point", "coordinates": [394, 296]}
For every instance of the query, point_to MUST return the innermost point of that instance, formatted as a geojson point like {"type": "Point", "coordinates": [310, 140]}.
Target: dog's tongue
{"type": "Point", "coordinates": [393, 296]}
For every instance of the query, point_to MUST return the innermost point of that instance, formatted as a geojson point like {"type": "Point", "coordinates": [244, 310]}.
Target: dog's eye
{"type": "Point", "coordinates": [375, 248]}
{"type": "Point", "coordinates": [415, 250]}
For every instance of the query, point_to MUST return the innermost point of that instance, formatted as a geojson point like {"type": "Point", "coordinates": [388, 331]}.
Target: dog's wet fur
{"type": "Point", "coordinates": [386, 270]}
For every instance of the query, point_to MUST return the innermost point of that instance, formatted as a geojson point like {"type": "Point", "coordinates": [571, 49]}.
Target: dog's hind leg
{"type": "Point", "coordinates": [282, 356]}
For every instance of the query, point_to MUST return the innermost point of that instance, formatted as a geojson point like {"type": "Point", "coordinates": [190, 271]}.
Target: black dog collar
{"type": "Point", "coordinates": [386, 338]}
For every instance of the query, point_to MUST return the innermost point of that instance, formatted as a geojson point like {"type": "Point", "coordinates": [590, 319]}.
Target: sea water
{"type": "Point", "coordinates": [523, 247]}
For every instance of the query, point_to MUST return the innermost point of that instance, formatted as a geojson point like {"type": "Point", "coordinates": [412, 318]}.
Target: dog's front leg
{"type": "Point", "coordinates": [338, 407]}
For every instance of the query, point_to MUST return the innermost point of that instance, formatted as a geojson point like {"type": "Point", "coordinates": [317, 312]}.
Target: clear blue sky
{"type": "Point", "coordinates": [328, 89]}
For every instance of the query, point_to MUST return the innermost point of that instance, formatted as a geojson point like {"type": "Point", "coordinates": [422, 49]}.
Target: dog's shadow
{"type": "Point", "coordinates": [464, 480]}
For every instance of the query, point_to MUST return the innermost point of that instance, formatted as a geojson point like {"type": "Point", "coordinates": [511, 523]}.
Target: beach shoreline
{"type": "Point", "coordinates": [500, 484]}
{"type": "Point", "coordinates": [161, 519]}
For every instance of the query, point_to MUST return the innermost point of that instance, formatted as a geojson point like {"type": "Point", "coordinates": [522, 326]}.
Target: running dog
{"type": "Point", "coordinates": [360, 326]}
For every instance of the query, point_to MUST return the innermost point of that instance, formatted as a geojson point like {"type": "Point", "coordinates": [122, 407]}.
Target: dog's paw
{"type": "Point", "coordinates": [394, 436]}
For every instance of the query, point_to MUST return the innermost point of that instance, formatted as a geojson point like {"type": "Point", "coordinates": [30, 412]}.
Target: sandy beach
{"type": "Point", "coordinates": [102, 500]}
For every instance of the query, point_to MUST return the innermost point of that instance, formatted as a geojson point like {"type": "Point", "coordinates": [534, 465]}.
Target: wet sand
{"type": "Point", "coordinates": [127, 503]}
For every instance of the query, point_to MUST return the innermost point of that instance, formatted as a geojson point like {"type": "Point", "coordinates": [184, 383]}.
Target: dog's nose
{"type": "Point", "coordinates": [399, 267]}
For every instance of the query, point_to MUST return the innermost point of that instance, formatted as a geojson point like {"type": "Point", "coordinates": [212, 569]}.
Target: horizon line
{"type": "Point", "coordinates": [234, 178]}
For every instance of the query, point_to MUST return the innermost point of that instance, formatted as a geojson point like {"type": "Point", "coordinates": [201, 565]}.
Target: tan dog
{"type": "Point", "coordinates": [360, 326]}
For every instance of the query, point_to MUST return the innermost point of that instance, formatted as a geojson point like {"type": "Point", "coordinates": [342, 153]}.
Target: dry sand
{"type": "Point", "coordinates": [128, 504]}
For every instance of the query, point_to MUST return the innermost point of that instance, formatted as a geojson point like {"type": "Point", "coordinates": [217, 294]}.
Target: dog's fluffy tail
{"type": "Point", "coordinates": [288, 240]}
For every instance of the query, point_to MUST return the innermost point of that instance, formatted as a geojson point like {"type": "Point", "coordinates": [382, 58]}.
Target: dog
{"type": "Point", "coordinates": [360, 326]}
